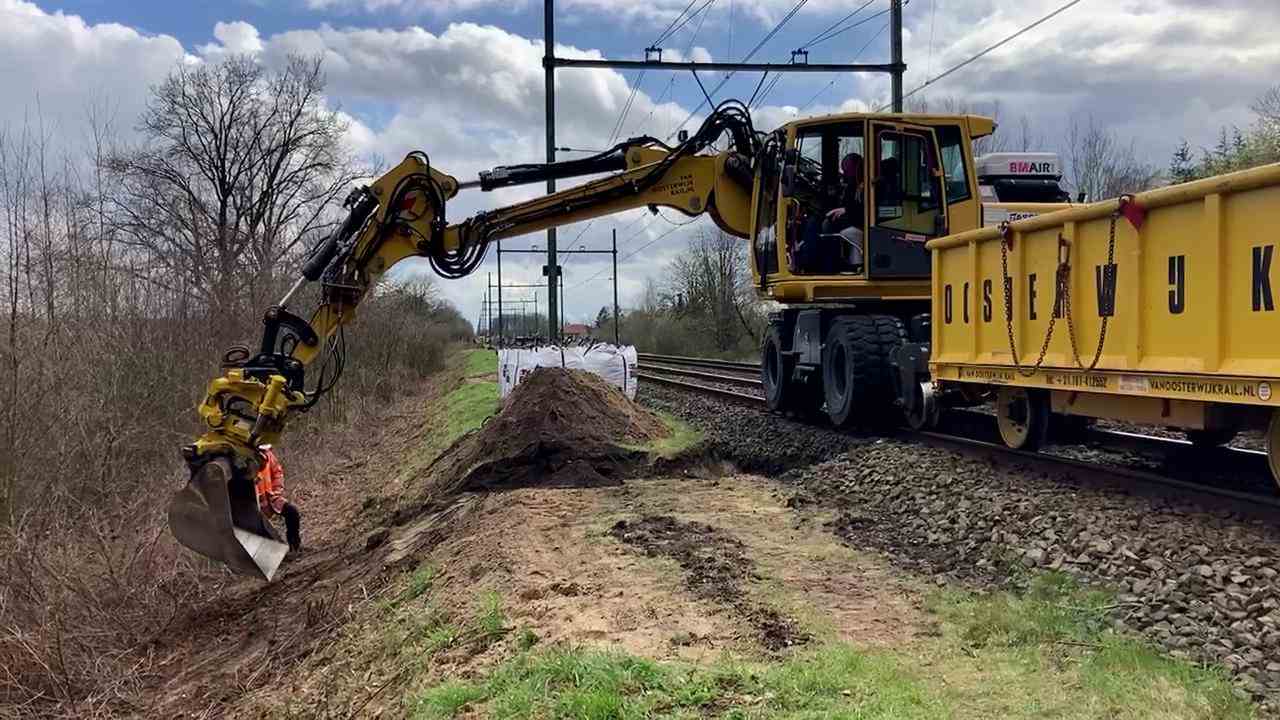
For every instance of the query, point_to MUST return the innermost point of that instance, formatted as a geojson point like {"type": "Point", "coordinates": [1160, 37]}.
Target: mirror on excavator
{"type": "Point", "coordinates": [216, 514]}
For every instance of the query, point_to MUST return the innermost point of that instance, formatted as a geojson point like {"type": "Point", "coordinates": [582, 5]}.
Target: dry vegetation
{"type": "Point", "coordinates": [128, 267]}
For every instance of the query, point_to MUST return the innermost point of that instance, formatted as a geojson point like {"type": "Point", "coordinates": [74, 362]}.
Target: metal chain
{"type": "Point", "coordinates": [1005, 241]}
{"type": "Point", "coordinates": [1102, 335]}
{"type": "Point", "coordinates": [1062, 298]}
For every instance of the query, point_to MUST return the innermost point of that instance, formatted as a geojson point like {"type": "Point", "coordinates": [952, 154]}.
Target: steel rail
{"type": "Point", "coordinates": [705, 389]}
{"type": "Point", "coordinates": [703, 375]}
{"type": "Point", "coordinates": [1132, 440]}
{"type": "Point", "coordinates": [699, 362]}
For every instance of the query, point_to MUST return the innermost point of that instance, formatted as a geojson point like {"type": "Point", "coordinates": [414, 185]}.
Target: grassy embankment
{"type": "Point", "coordinates": [1046, 653]}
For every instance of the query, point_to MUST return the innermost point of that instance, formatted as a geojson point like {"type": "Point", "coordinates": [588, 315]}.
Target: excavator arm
{"type": "Point", "coordinates": [401, 215]}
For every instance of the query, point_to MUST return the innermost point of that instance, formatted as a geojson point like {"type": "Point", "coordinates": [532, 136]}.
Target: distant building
{"type": "Point", "coordinates": [576, 330]}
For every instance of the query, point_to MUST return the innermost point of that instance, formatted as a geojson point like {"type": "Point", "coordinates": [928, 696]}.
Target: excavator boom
{"type": "Point", "coordinates": [398, 216]}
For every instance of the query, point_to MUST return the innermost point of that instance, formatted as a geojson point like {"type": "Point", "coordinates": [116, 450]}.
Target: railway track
{"type": "Point", "coordinates": [729, 380]}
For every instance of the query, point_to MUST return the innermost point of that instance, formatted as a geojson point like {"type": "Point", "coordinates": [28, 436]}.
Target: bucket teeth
{"type": "Point", "coordinates": [217, 515]}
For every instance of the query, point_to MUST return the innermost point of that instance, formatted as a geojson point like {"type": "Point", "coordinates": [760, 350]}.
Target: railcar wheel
{"type": "Point", "coordinates": [1216, 437]}
{"type": "Point", "coordinates": [775, 372]}
{"type": "Point", "coordinates": [1023, 417]}
{"type": "Point", "coordinates": [855, 369]}
{"type": "Point", "coordinates": [1273, 447]}
{"type": "Point", "coordinates": [924, 411]}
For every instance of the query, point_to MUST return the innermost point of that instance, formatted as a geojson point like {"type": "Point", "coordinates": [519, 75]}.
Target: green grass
{"type": "Point", "coordinates": [420, 581]}
{"type": "Point", "coordinates": [480, 362]}
{"type": "Point", "coordinates": [458, 412]}
{"type": "Point", "coordinates": [1050, 652]}
{"type": "Point", "coordinates": [681, 436]}
{"type": "Point", "coordinates": [467, 408]}
{"type": "Point", "coordinates": [834, 682]}
{"type": "Point", "coordinates": [493, 620]}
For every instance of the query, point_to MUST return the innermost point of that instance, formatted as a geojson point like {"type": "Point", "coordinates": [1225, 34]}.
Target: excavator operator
{"type": "Point", "coordinates": [845, 220]}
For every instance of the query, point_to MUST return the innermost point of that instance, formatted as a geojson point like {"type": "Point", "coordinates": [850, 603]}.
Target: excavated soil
{"type": "Point", "coordinates": [716, 566]}
{"type": "Point", "coordinates": [559, 428]}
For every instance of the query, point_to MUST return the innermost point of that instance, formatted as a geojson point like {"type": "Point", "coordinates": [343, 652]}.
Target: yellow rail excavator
{"type": "Point", "coordinates": [837, 211]}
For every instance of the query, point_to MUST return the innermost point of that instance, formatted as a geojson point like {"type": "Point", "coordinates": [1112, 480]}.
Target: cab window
{"type": "Point", "coordinates": [826, 219]}
{"type": "Point", "coordinates": [907, 190]}
{"type": "Point", "coordinates": [951, 146]}
{"type": "Point", "coordinates": [766, 248]}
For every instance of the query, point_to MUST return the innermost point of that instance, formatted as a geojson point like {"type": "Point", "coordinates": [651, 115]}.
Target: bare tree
{"type": "Point", "coordinates": [1102, 165]}
{"type": "Point", "coordinates": [709, 279]}
{"type": "Point", "coordinates": [238, 166]}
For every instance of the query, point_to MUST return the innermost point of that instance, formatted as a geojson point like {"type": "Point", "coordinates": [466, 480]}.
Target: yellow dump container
{"type": "Point", "coordinates": [1187, 298]}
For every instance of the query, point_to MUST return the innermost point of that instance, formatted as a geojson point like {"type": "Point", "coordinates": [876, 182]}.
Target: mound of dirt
{"type": "Point", "coordinates": [558, 427]}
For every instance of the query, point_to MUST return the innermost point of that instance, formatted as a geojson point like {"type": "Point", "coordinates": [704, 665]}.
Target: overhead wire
{"type": "Point", "coordinates": [666, 33]}
{"type": "Point", "coordinates": [671, 29]}
{"type": "Point", "coordinates": [768, 36]}
{"type": "Point", "coordinates": [933, 18]}
{"type": "Point", "coordinates": [836, 24]}
{"type": "Point", "coordinates": [831, 31]}
{"type": "Point", "coordinates": [674, 76]}
{"type": "Point", "coordinates": [818, 94]}
{"type": "Point", "coordinates": [846, 29]}
{"type": "Point", "coordinates": [686, 21]}
{"type": "Point", "coordinates": [1007, 39]}
{"type": "Point", "coordinates": [729, 52]}
{"type": "Point", "coordinates": [637, 251]}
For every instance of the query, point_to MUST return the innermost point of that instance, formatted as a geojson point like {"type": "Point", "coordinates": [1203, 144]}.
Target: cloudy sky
{"type": "Point", "coordinates": [462, 79]}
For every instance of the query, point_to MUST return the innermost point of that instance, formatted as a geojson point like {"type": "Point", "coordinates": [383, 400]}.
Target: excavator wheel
{"type": "Point", "coordinates": [217, 515]}
{"type": "Point", "coordinates": [775, 372]}
{"type": "Point", "coordinates": [856, 372]}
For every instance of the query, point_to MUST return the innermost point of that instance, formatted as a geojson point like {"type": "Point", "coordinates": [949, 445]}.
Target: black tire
{"type": "Point", "coordinates": [775, 371]}
{"type": "Point", "coordinates": [1205, 439]}
{"type": "Point", "coordinates": [856, 378]}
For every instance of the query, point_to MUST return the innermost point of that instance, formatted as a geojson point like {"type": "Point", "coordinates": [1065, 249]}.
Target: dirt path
{"type": "Point", "coordinates": [676, 568]}
{"type": "Point", "coordinates": [803, 571]}
{"type": "Point", "coordinates": [545, 551]}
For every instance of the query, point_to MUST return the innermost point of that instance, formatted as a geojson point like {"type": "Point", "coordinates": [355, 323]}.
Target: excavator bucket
{"type": "Point", "coordinates": [217, 515]}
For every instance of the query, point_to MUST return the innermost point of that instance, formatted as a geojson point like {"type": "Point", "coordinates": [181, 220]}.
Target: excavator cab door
{"type": "Point", "coordinates": [908, 200]}
{"type": "Point", "coordinates": [217, 515]}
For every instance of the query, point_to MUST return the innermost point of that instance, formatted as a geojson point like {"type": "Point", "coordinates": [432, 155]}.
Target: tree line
{"type": "Point", "coordinates": [127, 266]}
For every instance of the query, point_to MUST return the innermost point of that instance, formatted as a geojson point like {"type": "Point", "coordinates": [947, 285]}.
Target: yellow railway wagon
{"type": "Point", "coordinates": [1159, 308]}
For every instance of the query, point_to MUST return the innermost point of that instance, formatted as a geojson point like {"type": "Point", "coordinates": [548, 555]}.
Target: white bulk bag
{"type": "Point", "coordinates": [617, 365]}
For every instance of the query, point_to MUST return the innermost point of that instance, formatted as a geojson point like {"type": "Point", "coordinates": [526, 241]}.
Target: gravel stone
{"type": "Point", "coordinates": [1200, 581]}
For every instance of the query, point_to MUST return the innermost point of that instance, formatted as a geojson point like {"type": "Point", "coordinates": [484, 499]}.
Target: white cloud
{"type": "Point", "coordinates": [1156, 70]}
{"type": "Point", "coordinates": [472, 97]}
{"type": "Point", "coordinates": [413, 7]}
{"type": "Point", "coordinates": [233, 37]}
{"type": "Point", "coordinates": [656, 13]}
{"type": "Point", "coordinates": [56, 65]}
